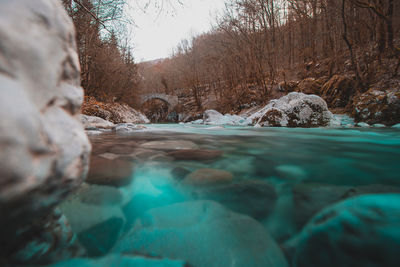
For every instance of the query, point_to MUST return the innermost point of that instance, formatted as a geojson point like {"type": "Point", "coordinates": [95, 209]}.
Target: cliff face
{"type": "Point", "coordinates": [44, 150]}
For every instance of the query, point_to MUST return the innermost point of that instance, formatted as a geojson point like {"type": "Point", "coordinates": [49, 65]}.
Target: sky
{"type": "Point", "coordinates": [157, 34]}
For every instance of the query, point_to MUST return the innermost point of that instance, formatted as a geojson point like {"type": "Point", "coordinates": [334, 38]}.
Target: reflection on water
{"type": "Point", "coordinates": [188, 192]}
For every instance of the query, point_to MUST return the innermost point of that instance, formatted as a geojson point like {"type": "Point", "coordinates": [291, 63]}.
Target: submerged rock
{"type": "Point", "coordinates": [169, 145]}
{"type": "Point", "coordinates": [208, 177]}
{"type": "Point", "coordinates": [378, 107]}
{"type": "Point", "coordinates": [254, 198]}
{"type": "Point", "coordinates": [293, 110]}
{"type": "Point", "coordinates": [116, 260]}
{"type": "Point", "coordinates": [195, 154]}
{"type": "Point", "coordinates": [361, 231]}
{"type": "Point", "coordinates": [44, 150]}
{"type": "Point", "coordinates": [308, 199]}
{"type": "Point", "coordinates": [98, 227]}
{"type": "Point", "coordinates": [202, 233]}
{"type": "Point", "coordinates": [110, 172]}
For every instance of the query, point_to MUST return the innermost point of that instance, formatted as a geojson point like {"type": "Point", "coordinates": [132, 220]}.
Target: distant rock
{"type": "Point", "coordinates": [114, 112]}
{"type": "Point", "coordinates": [362, 125]}
{"type": "Point", "coordinates": [44, 150]}
{"type": "Point", "coordinates": [338, 91]}
{"type": "Point", "coordinates": [397, 126]}
{"type": "Point", "coordinates": [95, 122]}
{"type": "Point", "coordinates": [195, 154]}
{"type": "Point", "coordinates": [376, 106]}
{"type": "Point", "coordinates": [213, 117]}
{"type": "Point", "coordinates": [361, 231]}
{"type": "Point", "coordinates": [116, 260]}
{"type": "Point", "coordinates": [202, 233]}
{"type": "Point", "coordinates": [293, 110]}
{"type": "Point", "coordinates": [311, 86]}
{"type": "Point", "coordinates": [208, 177]}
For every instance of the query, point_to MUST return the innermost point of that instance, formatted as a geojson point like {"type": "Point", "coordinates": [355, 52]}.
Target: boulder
{"type": "Point", "coordinates": [90, 122]}
{"type": "Point", "coordinates": [338, 91]}
{"type": "Point", "coordinates": [116, 260]}
{"type": "Point", "coordinates": [195, 154]}
{"type": "Point", "coordinates": [208, 177]}
{"type": "Point", "coordinates": [360, 231]}
{"type": "Point", "coordinates": [376, 106]}
{"type": "Point", "coordinates": [202, 233]}
{"type": "Point", "coordinates": [293, 110]}
{"type": "Point", "coordinates": [44, 150]}
{"type": "Point", "coordinates": [110, 172]}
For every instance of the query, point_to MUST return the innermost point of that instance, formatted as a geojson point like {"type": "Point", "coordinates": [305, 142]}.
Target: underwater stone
{"type": "Point", "coordinates": [195, 154]}
{"type": "Point", "coordinates": [120, 261]}
{"type": "Point", "coordinates": [360, 231]}
{"type": "Point", "coordinates": [254, 198]}
{"type": "Point", "coordinates": [208, 177]}
{"type": "Point", "coordinates": [203, 233]}
{"type": "Point", "coordinates": [110, 172]}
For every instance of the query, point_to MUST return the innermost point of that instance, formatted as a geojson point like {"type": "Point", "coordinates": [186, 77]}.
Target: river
{"type": "Point", "coordinates": [279, 177]}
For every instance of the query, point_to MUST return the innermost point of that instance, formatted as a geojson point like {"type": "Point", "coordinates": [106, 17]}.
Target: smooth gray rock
{"type": "Point", "coordinates": [43, 148]}
{"type": "Point", "coordinates": [361, 231]}
{"type": "Point", "coordinates": [203, 233]}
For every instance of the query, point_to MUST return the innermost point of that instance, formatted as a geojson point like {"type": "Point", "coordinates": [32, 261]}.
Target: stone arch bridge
{"type": "Point", "coordinates": [171, 100]}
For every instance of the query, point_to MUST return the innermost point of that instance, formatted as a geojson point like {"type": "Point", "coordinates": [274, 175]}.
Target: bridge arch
{"type": "Point", "coordinates": [171, 100]}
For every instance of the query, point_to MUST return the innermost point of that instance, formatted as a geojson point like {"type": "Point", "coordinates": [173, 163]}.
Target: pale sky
{"type": "Point", "coordinates": [156, 35]}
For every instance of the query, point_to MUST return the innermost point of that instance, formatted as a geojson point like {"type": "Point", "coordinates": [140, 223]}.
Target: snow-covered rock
{"type": "Point", "coordinates": [95, 122]}
{"type": "Point", "coordinates": [213, 117]}
{"type": "Point", "coordinates": [293, 110]}
{"type": "Point", "coordinates": [44, 150]}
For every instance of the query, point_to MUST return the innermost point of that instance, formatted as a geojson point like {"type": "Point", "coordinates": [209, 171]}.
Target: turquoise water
{"type": "Point", "coordinates": [275, 178]}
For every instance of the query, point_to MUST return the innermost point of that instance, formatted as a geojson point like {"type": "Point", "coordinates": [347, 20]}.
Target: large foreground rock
{"type": "Point", "coordinates": [43, 147]}
{"type": "Point", "coordinates": [361, 231]}
{"type": "Point", "coordinates": [202, 233]}
{"type": "Point", "coordinates": [378, 107]}
{"type": "Point", "coordinates": [293, 110]}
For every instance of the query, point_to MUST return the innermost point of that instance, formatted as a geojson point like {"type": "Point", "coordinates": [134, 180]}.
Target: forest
{"type": "Point", "coordinates": [256, 49]}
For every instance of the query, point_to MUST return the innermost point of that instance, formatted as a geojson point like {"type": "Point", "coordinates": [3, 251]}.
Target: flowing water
{"type": "Point", "coordinates": [280, 177]}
